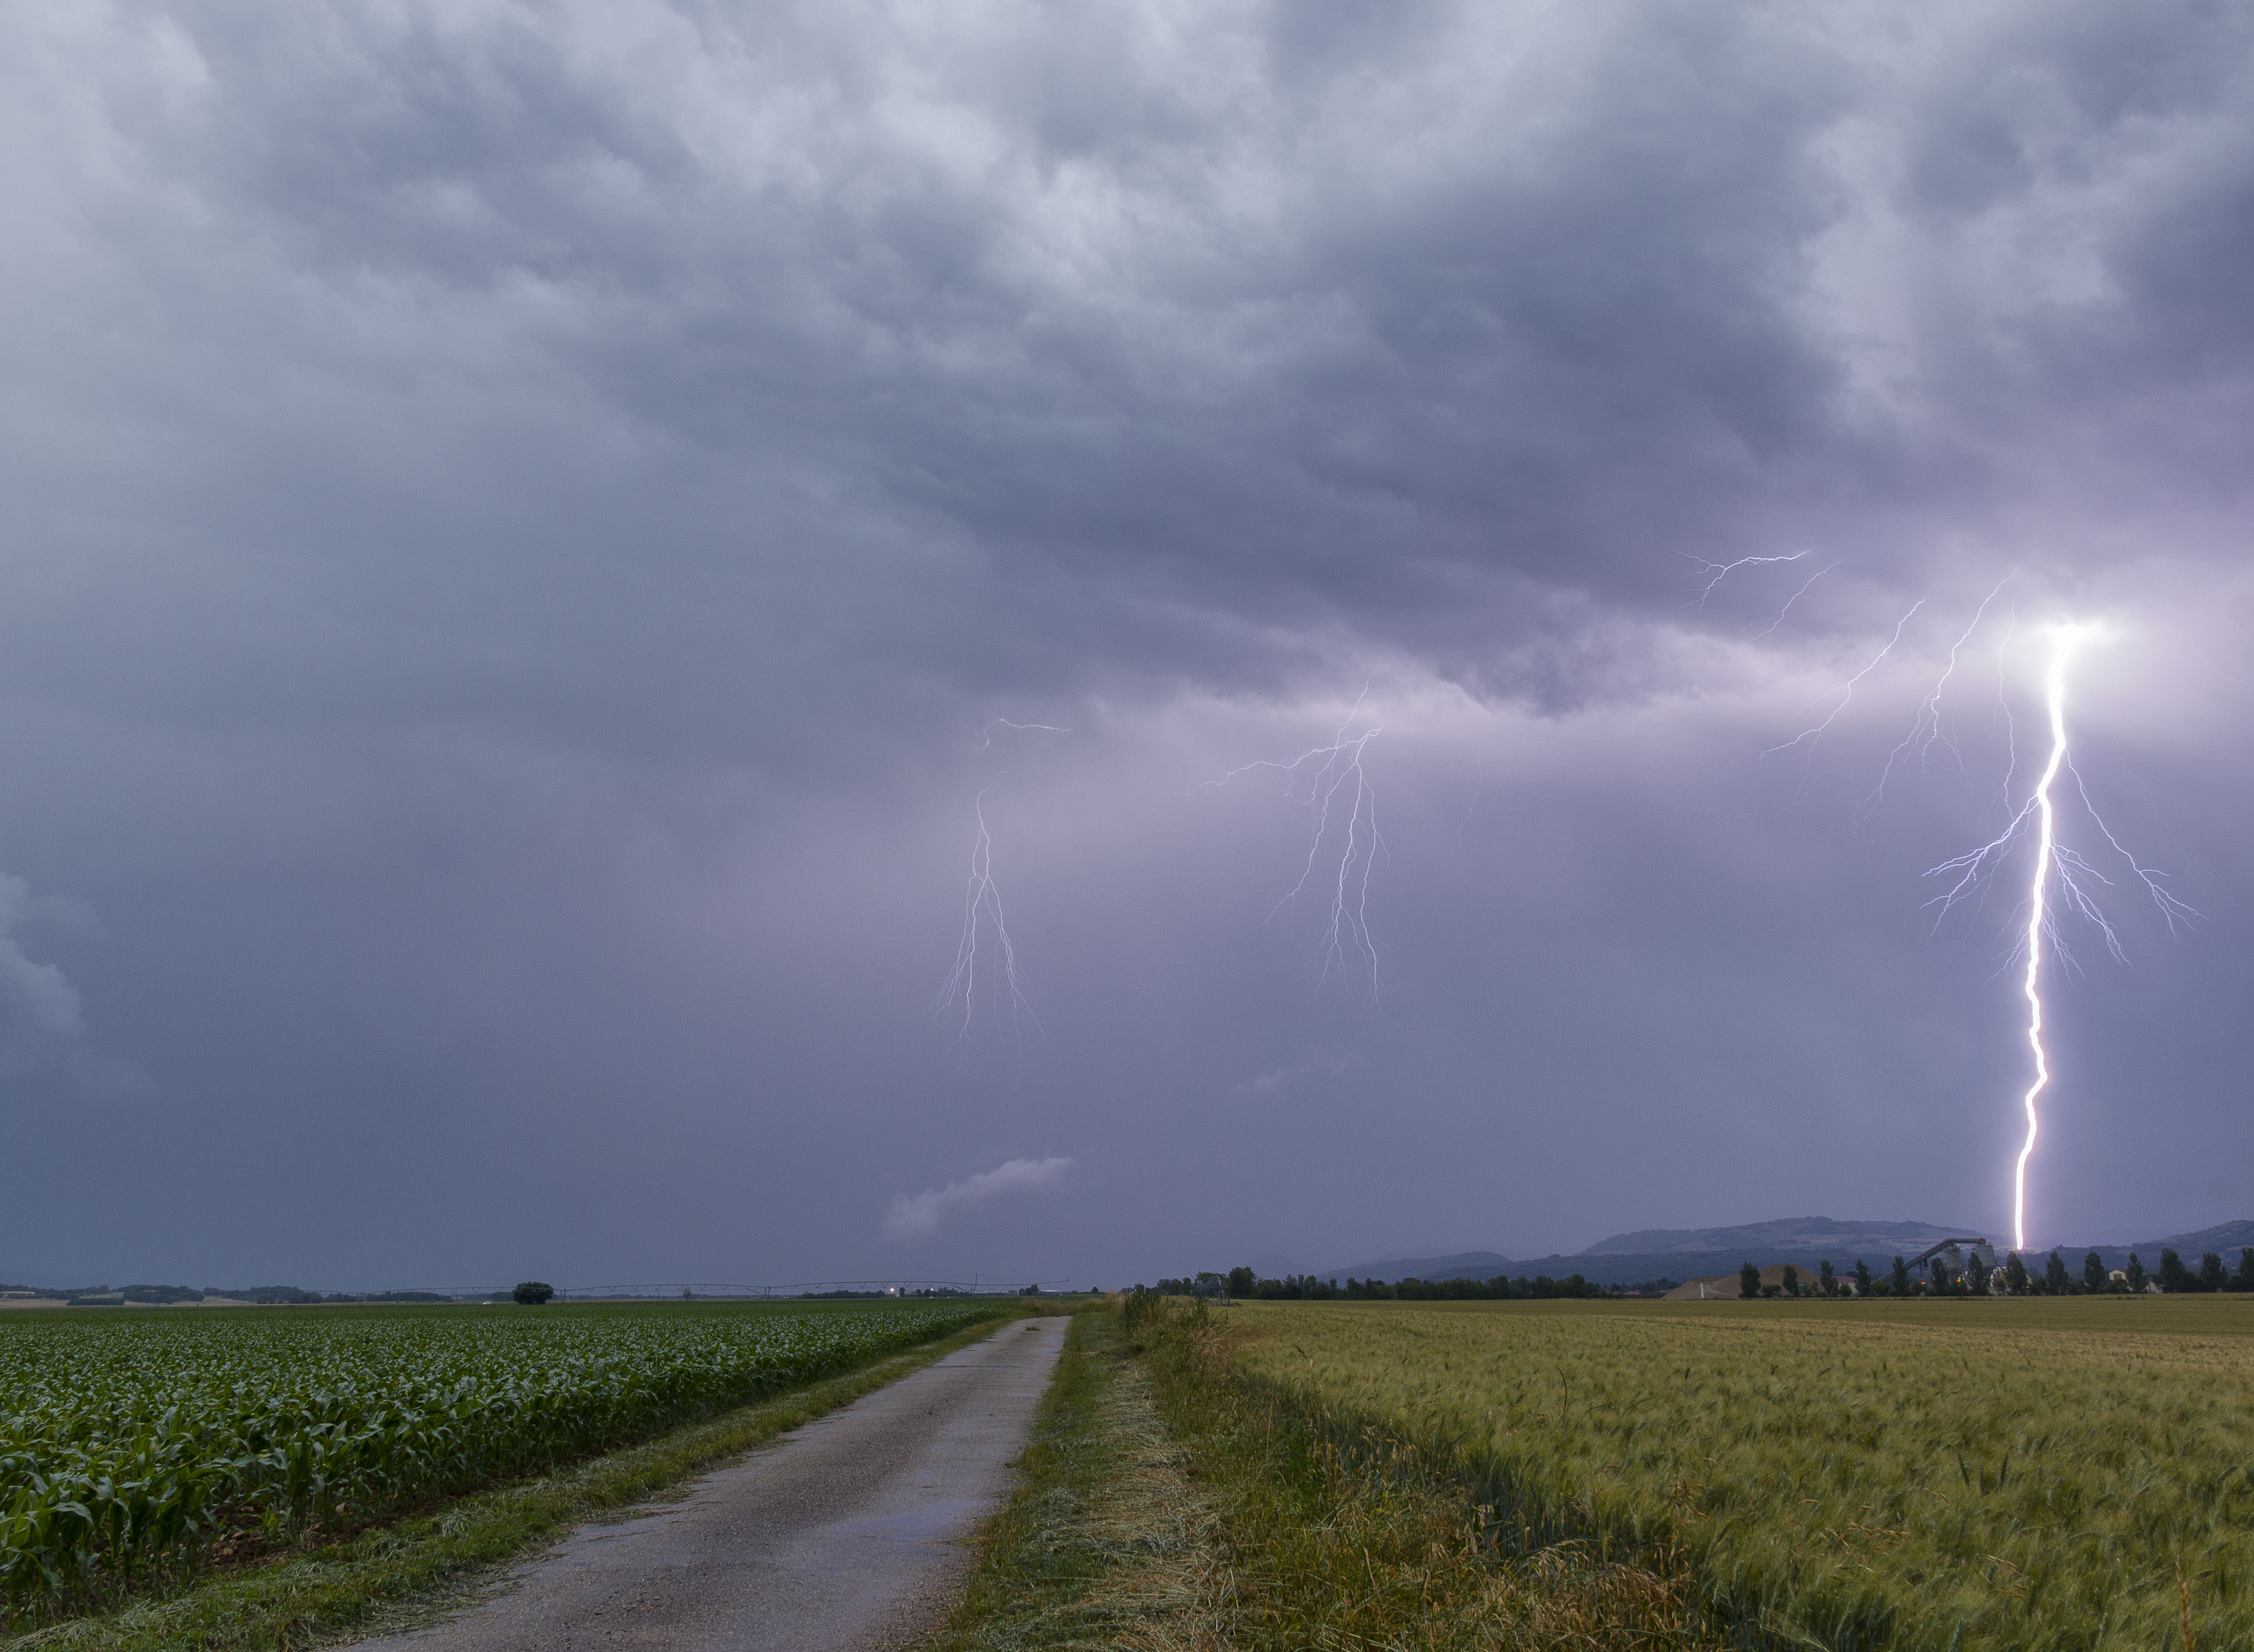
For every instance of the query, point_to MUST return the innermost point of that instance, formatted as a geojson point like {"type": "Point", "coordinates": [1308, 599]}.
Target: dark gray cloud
{"type": "Point", "coordinates": [520, 517]}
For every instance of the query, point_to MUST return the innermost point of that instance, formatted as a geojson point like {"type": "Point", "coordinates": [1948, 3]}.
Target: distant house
{"type": "Point", "coordinates": [1725, 1287]}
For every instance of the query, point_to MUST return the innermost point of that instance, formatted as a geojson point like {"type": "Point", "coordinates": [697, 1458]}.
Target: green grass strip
{"type": "Point", "coordinates": [400, 1575]}
{"type": "Point", "coordinates": [1107, 1541]}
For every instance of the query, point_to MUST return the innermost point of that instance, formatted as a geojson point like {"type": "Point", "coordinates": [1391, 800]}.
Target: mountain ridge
{"type": "Point", "coordinates": [1804, 1240]}
{"type": "Point", "coordinates": [1788, 1232]}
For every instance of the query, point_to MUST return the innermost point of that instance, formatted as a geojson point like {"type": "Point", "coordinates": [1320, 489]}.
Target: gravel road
{"type": "Point", "coordinates": [847, 1533]}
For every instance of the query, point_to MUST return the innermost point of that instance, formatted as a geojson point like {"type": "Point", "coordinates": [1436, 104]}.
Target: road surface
{"type": "Point", "coordinates": [846, 1533]}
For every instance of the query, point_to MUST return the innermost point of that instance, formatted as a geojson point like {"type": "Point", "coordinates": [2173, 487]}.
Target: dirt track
{"type": "Point", "coordinates": [845, 1534]}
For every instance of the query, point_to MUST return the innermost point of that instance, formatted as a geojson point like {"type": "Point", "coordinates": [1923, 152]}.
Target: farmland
{"type": "Point", "coordinates": [128, 1446]}
{"type": "Point", "coordinates": [1981, 1475]}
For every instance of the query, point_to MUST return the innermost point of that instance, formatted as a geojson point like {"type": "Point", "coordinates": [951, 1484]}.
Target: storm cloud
{"type": "Point", "coordinates": [520, 521]}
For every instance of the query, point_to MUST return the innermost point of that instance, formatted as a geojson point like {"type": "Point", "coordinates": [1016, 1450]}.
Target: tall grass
{"type": "Point", "coordinates": [2008, 1477]}
{"type": "Point", "coordinates": [1338, 1536]}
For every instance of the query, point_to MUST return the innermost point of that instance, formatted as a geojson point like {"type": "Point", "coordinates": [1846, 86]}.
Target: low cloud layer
{"type": "Point", "coordinates": [918, 1216]}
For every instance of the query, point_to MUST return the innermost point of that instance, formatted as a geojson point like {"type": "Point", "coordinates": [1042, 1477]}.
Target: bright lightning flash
{"type": "Point", "coordinates": [2066, 640]}
{"type": "Point", "coordinates": [2056, 864]}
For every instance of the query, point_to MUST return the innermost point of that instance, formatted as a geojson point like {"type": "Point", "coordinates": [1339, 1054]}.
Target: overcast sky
{"type": "Point", "coordinates": [543, 544]}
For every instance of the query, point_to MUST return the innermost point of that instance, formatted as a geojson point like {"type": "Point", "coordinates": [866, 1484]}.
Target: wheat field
{"type": "Point", "coordinates": [2061, 1475]}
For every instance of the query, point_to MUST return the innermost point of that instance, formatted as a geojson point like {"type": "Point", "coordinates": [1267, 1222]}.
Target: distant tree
{"type": "Point", "coordinates": [1243, 1282]}
{"type": "Point", "coordinates": [2175, 1278]}
{"type": "Point", "coordinates": [1862, 1277]}
{"type": "Point", "coordinates": [1749, 1285]}
{"type": "Point", "coordinates": [1939, 1269]}
{"type": "Point", "coordinates": [2213, 1276]}
{"type": "Point", "coordinates": [2093, 1273]}
{"type": "Point", "coordinates": [1772, 1291]}
{"type": "Point", "coordinates": [1901, 1277]}
{"type": "Point", "coordinates": [2136, 1272]}
{"type": "Point", "coordinates": [2055, 1279]}
{"type": "Point", "coordinates": [1791, 1280]}
{"type": "Point", "coordinates": [532, 1293]}
{"type": "Point", "coordinates": [2244, 1279]}
{"type": "Point", "coordinates": [2015, 1275]}
{"type": "Point", "coordinates": [1826, 1281]}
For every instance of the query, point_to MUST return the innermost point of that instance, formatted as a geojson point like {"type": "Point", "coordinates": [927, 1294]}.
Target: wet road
{"type": "Point", "coordinates": [847, 1533]}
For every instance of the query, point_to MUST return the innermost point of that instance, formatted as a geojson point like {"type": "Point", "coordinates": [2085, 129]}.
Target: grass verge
{"type": "Point", "coordinates": [398, 1575]}
{"type": "Point", "coordinates": [1108, 1542]}
{"type": "Point", "coordinates": [1332, 1535]}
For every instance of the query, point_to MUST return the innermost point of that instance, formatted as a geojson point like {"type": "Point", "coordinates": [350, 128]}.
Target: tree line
{"type": "Point", "coordinates": [1938, 1278]}
{"type": "Point", "coordinates": [1307, 1287]}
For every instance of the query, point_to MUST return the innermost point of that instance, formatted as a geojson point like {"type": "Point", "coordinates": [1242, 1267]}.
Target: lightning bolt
{"type": "Point", "coordinates": [982, 910]}
{"type": "Point", "coordinates": [2066, 640]}
{"type": "Point", "coordinates": [2055, 865]}
{"type": "Point", "coordinates": [1770, 629]}
{"type": "Point", "coordinates": [1846, 690]}
{"type": "Point", "coordinates": [1717, 571]}
{"type": "Point", "coordinates": [1925, 731]}
{"type": "Point", "coordinates": [1337, 784]}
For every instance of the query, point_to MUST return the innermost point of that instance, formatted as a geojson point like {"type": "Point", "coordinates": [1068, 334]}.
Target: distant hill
{"type": "Point", "coordinates": [1793, 1233]}
{"type": "Point", "coordinates": [1691, 1253]}
{"type": "Point", "coordinates": [1463, 1264]}
{"type": "Point", "coordinates": [1635, 1268]}
{"type": "Point", "coordinates": [1684, 1253]}
{"type": "Point", "coordinates": [2227, 1238]}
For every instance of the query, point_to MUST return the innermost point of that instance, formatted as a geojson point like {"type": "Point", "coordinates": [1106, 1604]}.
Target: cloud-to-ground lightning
{"type": "Point", "coordinates": [1337, 786]}
{"type": "Point", "coordinates": [2056, 864]}
{"type": "Point", "coordinates": [982, 911]}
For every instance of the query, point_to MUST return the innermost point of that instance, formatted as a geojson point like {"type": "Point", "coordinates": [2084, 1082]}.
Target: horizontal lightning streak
{"type": "Point", "coordinates": [1717, 571]}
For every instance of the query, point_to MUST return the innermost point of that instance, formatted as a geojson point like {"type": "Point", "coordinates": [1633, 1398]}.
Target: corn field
{"type": "Point", "coordinates": [127, 1445]}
